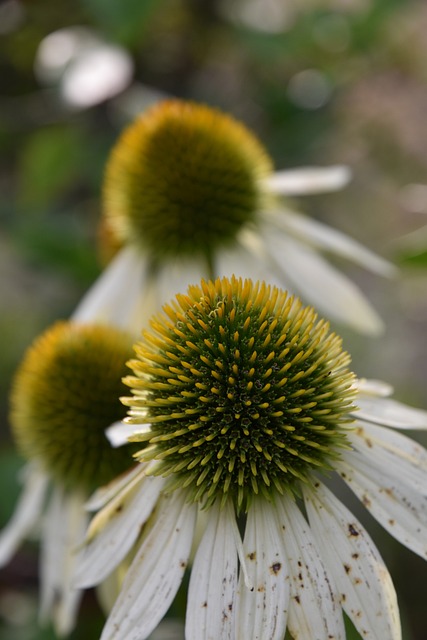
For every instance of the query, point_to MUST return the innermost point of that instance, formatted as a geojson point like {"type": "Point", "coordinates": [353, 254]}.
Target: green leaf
{"type": "Point", "coordinates": [49, 164]}
{"type": "Point", "coordinates": [125, 20]}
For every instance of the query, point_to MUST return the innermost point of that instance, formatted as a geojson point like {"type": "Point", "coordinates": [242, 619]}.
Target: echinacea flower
{"type": "Point", "coordinates": [190, 192]}
{"type": "Point", "coordinates": [247, 407]}
{"type": "Point", "coordinates": [65, 393]}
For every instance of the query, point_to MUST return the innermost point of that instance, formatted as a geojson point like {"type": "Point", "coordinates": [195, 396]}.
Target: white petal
{"type": "Point", "coordinates": [390, 413]}
{"type": "Point", "coordinates": [360, 575]}
{"type": "Point", "coordinates": [126, 481]}
{"type": "Point", "coordinates": [308, 180]}
{"type": "Point", "coordinates": [314, 608]}
{"type": "Point", "coordinates": [108, 590]}
{"type": "Point", "coordinates": [320, 284]}
{"type": "Point", "coordinates": [262, 612]}
{"type": "Point", "coordinates": [155, 573]}
{"type": "Point", "coordinates": [248, 258]}
{"type": "Point", "coordinates": [64, 528]}
{"type": "Point", "coordinates": [211, 594]}
{"type": "Point", "coordinates": [118, 433]}
{"type": "Point", "coordinates": [327, 238]}
{"type": "Point", "coordinates": [27, 513]}
{"type": "Point", "coordinates": [176, 275]}
{"type": "Point", "coordinates": [113, 541]}
{"type": "Point", "coordinates": [387, 449]}
{"type": "Point", "coordinates": [374, 387]}
{"type": "Point", "coordinates": [122, 295]}
{"type": "Point", "coordinates": [400, 509]}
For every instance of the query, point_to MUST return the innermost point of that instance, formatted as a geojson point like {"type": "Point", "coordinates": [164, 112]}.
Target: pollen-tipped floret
{"type": "Point", "coordinates": [245, 391]}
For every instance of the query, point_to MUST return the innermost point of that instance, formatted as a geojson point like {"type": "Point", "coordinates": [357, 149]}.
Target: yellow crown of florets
{"type": "Point", "coordinates": [245, 391]}
{"type": "Point", "coordinates": [183, 179]}
{"type": "Point", "coordinates": [65, 394]}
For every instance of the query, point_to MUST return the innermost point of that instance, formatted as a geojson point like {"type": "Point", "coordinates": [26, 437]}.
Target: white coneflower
{"type": "Point", "coordinates": [65, 393]}
{"type": "Point", "coordinates": [245, 403]}
{"type": "Point", "coordinates": [190, 192]}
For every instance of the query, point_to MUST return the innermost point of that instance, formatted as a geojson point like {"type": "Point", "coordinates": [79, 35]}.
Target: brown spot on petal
{"type": "Point", "coordinates": [352, 530]}
{"type": "Point", "coordinates": [252, 555]}
{"type": "Point", "coordinates": [275, 568]}
{"type": "Point", "coordinates": [366, 501]}
{"type": "Point", "coordinates": [388, 491]}
{"type": "Point", "coordinates": [347, 568]}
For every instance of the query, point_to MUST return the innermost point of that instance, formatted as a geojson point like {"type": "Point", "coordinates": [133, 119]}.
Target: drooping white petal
{"type": "Point", "coordinates": [174, 276]}
{"type": "Point", "coordinates": [314, 605]}
{"type": "Point", "coordinates": [262, 612]}
{"type": "Point", "coordinates": [108, 590]}
{"type": "Point", "coordinates": [155, 573]}
{"type": "Point", "coordinates": [118, 433]}
{"type": "Point", "coordinates": [113, 541]}
{"type": "Point", "coordinates": [123, 483]}
{"type": "Point", "coordinates": [390, 413]}
{"type": "Point", "coordinates": [360, 575]}
{"type": "Point", "coordinates": [212, 590]}
{"type": "Point", "coordinates": [387, 449]}
{"type": "Point", "coordinates": [308, 180]}
{"type": "Point", "coordinates": [27, 512]}
{"type": "Point", "coordinates": [329, 239]}
{"type": "Point", "coordinates": [320, 284]}
{"type": "Point", "coordinates": [374, 387]}
{"type": "Point", "coordinates": [64, 527]}
{"type": "Point", "coordinates": [248, 258]}
{"type": "Point", "coordinates": [123, 295]}
{"type": "Point", "coordinates": [399, 508]}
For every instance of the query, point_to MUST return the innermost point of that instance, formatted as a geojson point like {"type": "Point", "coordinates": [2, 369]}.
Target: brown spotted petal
{"type": "Point", "coordinates": [362, 580]}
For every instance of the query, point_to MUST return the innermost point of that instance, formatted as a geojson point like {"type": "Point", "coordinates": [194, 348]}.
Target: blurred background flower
{"type": "Point", "coordinates": [68, 371]}
{"type": "Point", "coordinates": [320, 82]}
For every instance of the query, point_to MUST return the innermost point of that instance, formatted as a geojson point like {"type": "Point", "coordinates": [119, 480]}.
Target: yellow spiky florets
{"type": "Point", "coordinates": [183, 179]}
{"type": "Point", "coordinates": [65, 394]}
{"type": "Point", "coordinates": [245, 392]}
